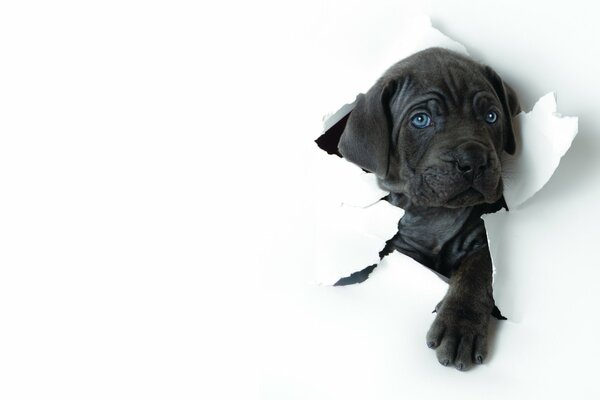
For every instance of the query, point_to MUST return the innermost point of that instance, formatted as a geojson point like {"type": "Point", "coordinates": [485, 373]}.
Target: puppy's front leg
{"type": "Point", "coordinates": [459, 332]}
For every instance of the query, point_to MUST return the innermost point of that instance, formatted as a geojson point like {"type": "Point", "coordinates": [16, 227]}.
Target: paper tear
{"type": "Point", "coordinates": [544, 137]}
{"type": "Point", "coordinates": [349, 239]}
{"type": "Point", "coordinates": [355, 224]}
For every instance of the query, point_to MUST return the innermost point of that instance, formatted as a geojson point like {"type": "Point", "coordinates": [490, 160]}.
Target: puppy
{"type": "Point", "coordinates": [433, 130]}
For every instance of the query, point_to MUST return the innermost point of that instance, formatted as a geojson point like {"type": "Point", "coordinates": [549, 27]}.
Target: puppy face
{"type": "Point", "coordinates": [434, 128]}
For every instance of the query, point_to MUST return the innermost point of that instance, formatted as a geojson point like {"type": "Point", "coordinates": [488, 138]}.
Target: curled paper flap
{"type": "Point", "coordinates": [545, 136]}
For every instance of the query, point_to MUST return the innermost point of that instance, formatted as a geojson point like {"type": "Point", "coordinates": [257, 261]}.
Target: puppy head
{"type": "Point", "coordinates": [433, 128]}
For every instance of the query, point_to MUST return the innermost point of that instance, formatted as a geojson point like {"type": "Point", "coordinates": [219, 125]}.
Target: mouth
{"type": "Point", "coordinates": [468, 197]}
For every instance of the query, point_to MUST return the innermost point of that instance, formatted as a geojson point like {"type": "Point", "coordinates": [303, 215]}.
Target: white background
{"type": "Point", "coordinates": [156, 215]}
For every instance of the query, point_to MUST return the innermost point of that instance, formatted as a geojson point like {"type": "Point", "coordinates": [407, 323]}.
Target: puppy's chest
{"type": "Point", "coordinates": [439, 238]}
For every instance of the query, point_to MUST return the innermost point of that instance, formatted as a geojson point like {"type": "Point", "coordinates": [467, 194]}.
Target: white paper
{"type": "Point", "coordinates": [338, 182]}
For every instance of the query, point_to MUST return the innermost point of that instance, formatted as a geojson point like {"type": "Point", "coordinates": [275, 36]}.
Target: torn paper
{"type": "Point", "coordinates": [544, 137]}
{"type": "Point", "coordinates": [354, 223]}
{"type": "Point", "coordinates": [350, 238]}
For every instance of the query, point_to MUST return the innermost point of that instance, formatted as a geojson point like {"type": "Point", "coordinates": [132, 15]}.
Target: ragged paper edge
{"type": "Point", "coordinates": [351, 238]}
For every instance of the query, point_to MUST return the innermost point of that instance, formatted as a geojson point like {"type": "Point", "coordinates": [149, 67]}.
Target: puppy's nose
{"type": "Point", "coordinates": [471, 160]}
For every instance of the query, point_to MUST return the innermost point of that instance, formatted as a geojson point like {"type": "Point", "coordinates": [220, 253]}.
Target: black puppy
{"type": "Point", "coordinates": [433, 130]}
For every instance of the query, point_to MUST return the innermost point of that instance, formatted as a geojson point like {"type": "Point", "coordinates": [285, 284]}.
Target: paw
{"type": "Point", "coordinates": [459, 334]}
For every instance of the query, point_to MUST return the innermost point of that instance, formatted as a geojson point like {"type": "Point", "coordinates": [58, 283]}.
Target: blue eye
{"type": "Point", "coordinates": [491, 117]}
{"type": "Point", "coordinates": [420, 121]}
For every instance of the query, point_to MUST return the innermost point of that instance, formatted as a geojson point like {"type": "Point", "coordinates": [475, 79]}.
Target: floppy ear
{"type": "Point", "coordinates": [510, 107]}
{"type": "Point", "coordinates": [366, 137]}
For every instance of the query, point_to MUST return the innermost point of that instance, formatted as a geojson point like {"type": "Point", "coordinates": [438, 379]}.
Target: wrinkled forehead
{"type": "Point", "coordinates": [444, 87]}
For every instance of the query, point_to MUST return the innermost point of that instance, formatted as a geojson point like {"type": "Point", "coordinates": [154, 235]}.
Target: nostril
{"type": "Point", "coordinates": [469, 170]}
{"type": "Point", "coordinates": [464, 168]}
